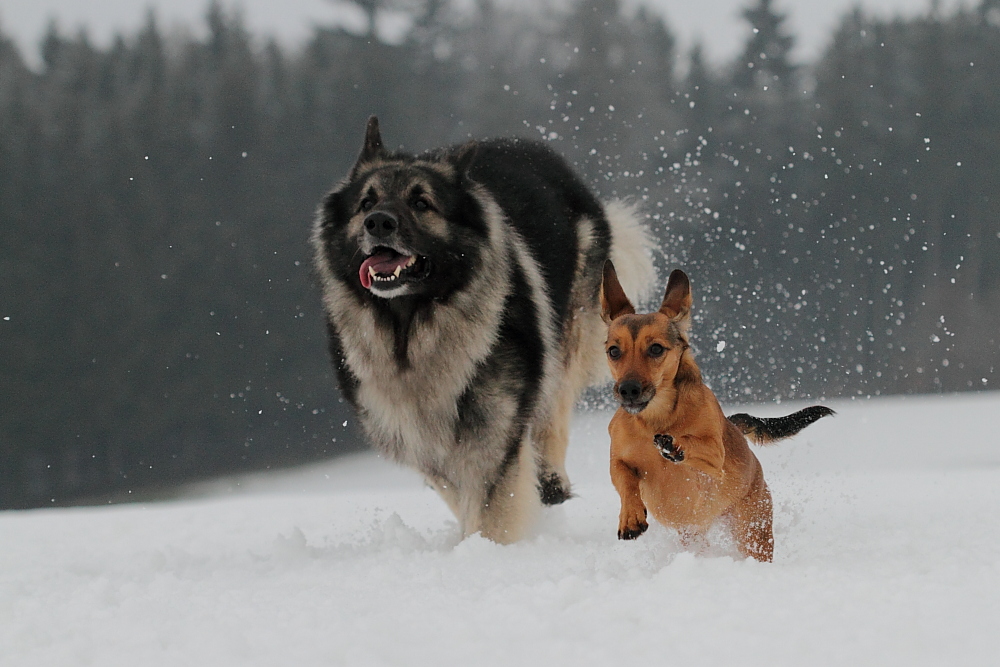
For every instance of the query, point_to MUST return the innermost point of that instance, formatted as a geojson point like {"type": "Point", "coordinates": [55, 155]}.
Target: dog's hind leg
{"type": "Point", "coordinates": [553, 440]}
{"type": "Point", "coordinates": [513, 505]}
{"type": "Point", "coordinates": [583, 364]}
{"type": "Point", "coordinates": [751, 521]}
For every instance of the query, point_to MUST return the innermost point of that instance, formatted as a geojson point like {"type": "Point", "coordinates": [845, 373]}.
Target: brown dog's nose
{"type": "Point", "coordinates": [630, 390]}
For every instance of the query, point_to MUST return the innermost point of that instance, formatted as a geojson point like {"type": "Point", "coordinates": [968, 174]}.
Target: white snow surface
{"type": "Point", "coordinates": [887, 553]}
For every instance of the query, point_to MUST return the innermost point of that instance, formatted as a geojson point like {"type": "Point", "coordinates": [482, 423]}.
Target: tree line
{"type": "Point", "coordinates": [158, 319]}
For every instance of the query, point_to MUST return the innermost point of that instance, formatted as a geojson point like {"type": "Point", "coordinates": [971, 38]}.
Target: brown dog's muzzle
{"type": "Point", "coordinates": [633, 396]}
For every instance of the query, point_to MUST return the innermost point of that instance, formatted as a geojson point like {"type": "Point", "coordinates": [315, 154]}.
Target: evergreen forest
{"type": "Point", "coordinates": [159, 321]}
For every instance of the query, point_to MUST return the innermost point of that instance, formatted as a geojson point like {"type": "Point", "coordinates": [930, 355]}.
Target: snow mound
{"type": "Point", "coordinates": [887, 552]}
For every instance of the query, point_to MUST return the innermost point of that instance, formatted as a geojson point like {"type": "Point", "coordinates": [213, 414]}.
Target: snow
{"type": "Point", "coordinates": [887, 553]}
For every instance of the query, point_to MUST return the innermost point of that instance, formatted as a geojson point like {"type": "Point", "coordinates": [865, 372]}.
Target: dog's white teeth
{"type": "Point", "coordinates": [371, 272]}
{"type": "Point", "coordinates": [395, 274]}
{"type": "Point", "coordinates": [411, 261]}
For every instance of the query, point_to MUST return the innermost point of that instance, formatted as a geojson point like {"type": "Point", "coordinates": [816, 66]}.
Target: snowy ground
{"type": "Point", "coordinates": [888, 553]}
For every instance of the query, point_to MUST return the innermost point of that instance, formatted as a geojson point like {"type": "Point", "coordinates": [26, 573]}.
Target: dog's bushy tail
{"type": "Point", "coordinates": [765, 430]}
{"type": "Point", "coordinates": [631, 244]}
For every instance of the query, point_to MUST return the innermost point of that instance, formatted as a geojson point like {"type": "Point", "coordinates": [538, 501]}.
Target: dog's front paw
{"type": "Point", "coordinates": [631, 527]}
{"type": "Point", "coordinates": [668, 450]}
{"type": "Point", "coordinates": [553, 487]}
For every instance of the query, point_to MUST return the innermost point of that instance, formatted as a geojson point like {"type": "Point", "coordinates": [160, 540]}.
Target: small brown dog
{"type": "Point", "coordinates": [673, 451]}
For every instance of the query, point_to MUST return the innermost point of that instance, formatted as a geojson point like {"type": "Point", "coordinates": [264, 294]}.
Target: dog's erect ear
{"type": "Point", "coordinates": [677, 300]}
{"type": "Point", "coordinates": [614, 303]}
{"type": "Point", "coordinates": [464, 157]}
{"type": "Point", "coordinates": [373, 141]}
{"type": "Point", "coordinates": [373, 148]}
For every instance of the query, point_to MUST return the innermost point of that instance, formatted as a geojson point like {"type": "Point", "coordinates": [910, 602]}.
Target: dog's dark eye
{"type": "Point", "coordinates": [656, 350]}
{"type": "Point", "coordinates": [367, 204]}
{"type": "Point", "coordinates": [421, 204]}
{"type": "Point", "coordinates": [614, 352]}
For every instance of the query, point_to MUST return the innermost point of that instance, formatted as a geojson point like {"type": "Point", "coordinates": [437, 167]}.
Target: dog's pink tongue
{"type": "Point", "coordinates": [384, 262]}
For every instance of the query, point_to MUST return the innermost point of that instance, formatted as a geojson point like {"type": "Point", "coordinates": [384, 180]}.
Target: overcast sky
{"type": "Point", "coordinates": [717, 23]}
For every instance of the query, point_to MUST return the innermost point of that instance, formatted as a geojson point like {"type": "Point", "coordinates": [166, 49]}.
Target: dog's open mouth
{"type": "Point", "coordinates": [385, 268]}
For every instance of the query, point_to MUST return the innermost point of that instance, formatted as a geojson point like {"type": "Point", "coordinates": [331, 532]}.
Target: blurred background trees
{"type": "Point", "coordinates": [158, 320]}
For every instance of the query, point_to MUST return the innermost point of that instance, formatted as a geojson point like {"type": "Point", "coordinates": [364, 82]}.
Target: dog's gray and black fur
{"type": "Point", "coordinates": [462, 294]}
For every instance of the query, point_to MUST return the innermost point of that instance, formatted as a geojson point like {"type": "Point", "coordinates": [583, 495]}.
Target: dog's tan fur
{"type": "Point", "coordinates": [718, 476]}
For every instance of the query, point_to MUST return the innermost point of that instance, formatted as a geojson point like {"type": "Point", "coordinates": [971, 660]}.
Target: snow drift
{"type": "Point", "coordinates": [887, 552]}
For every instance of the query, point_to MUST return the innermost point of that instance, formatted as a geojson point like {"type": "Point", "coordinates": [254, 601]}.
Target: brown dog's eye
{"type": "Point", "coordinates": [421, 204]}
{"type": "Point", "coordinates": [656, 350]}
{"type": "Point", "coordinates": [614, 352]}
{"type": "Point", "coordinates": [367, 204]}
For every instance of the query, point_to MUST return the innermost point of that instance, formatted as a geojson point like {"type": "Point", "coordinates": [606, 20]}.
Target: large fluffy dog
{"type": "Point", "coordinates": [462, 294]}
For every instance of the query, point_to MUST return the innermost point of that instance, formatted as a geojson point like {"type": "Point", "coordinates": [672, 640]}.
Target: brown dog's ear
{"type": "Point", "coordinates": [373, 148]}
{"type": "Point", "coordinates": [677, 300]}
{"type": "Point", "coordinates": [614, 303]}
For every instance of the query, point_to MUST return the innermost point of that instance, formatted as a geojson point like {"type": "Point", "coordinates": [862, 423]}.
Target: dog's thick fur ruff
{"type": "Point", "coordinates": [673, 451]}
{"type": "Point", "coordinates": [461, 290]}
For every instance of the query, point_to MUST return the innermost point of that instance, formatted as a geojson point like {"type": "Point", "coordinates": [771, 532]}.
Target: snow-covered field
{"type": "Point", "coordinates": [887, 553]}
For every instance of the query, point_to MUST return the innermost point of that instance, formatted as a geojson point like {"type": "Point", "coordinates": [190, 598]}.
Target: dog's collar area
{"type": "Point", "coordinates": [387, 268]}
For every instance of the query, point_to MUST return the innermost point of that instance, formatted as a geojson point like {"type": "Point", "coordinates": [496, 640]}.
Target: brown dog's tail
{"type": "Point", "coordinates": [765, 430]}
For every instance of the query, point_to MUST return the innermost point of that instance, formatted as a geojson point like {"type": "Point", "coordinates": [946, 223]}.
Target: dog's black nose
{"type": "Point", "coordinates": [380, 224]}
{"type": "Point", "coordinates": [630, 390]}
